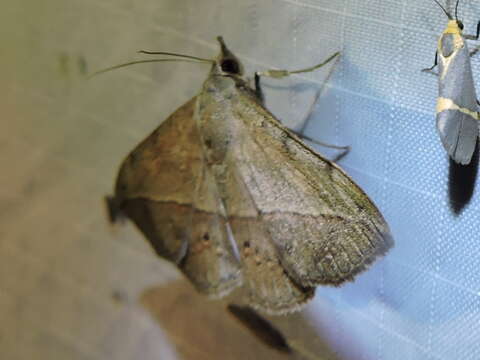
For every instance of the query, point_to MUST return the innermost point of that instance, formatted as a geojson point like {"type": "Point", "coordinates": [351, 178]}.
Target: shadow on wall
{"type": "Point", "coordinates": [461, 182]}
{"type": "Point", "coordinates": [201, 328]}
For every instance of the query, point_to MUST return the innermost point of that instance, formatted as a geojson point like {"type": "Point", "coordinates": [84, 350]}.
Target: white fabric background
{"type": "Point", "coordinates": [62, 139]}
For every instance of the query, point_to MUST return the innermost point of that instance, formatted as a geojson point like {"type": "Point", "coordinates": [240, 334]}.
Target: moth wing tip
{"type": "Point", "coordinates": [285, 309]}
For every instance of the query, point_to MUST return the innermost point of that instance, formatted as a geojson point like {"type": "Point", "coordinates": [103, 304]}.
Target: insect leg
{"type": "Point", "coordinates": [284, 73]}
{"type": "Point", "coordinates": [434, 64]}
{"type": "Point", "coordinates": [345, 149]}
{"type": "Point", "coordinates": [278, 74]}
{"type": "Point", "coordinates": [300, 132]}
{"type": "Point", "coordinates": [474, 37]}
{"type": "Point", "coordinates": [475, 51]}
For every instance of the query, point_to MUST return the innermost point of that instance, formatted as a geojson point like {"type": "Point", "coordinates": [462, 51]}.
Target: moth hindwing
{"type": "Point", "coordinates": [233, 198]}
{"type": "Point", "coordinates": [457, 108]}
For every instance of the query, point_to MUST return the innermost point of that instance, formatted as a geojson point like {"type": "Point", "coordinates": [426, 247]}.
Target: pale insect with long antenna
{"type": "Point", "coordinates": [457, 105]}
{"type": "Point", "coordinates": [236, 200]}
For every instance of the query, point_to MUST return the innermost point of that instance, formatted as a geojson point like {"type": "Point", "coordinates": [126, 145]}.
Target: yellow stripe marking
{"type": "Point", "coordinates": [447, 104]}
{"type": "Point", "coordinates": [458, 43]}
{"type": "Point", "coordinates": [452, 28]}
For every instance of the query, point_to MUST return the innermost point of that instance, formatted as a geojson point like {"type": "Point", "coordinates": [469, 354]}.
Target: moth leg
{"type": "Point", "coordinates": [474, 51]}
{"type": "Point", "coordinates": [284, 73]}
{"type": "Point", "coordinates": [300, 132]}
{"type": "Point", "coordinates": [435, 63]}
{"type": "Point", "coordinates": [346, 149]}
{"type": "Point", "coordinates": [278, 74]}
{"type": "Point", "coordinates": [474, 37]}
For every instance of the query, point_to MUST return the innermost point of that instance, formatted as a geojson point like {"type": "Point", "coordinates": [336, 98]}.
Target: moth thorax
{"type": "Point", "coordinates": [453, 27]}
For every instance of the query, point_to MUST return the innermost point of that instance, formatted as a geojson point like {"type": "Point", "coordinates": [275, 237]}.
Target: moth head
{"type": "Point", "coordinates": [453, 21]}
{"type": "Point", "coordinates": [227, 63]}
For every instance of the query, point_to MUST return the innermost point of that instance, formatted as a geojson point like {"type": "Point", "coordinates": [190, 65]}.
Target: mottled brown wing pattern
{"type": "Point", "coordinates": [298, 220]}
{"type": "Point", "coordinates": [269, 286]}
{"type": "Point", "coordinates": [267, 283]}
{"type": "Point", "coordinates": [324, 227]}
{"type": "Point", "coordinates": [166, 189]}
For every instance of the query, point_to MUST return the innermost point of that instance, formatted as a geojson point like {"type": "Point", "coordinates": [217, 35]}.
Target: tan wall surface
{"type": "Point", "coordinates": [69, 284]}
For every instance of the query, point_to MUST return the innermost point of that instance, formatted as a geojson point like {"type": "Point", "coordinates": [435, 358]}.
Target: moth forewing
{"type": "Point", "coordinates": [223, 162]}
{"type": "Point", "coordinates": [297, 219]}
{"type": "Point", "coordinates": [165, 188]}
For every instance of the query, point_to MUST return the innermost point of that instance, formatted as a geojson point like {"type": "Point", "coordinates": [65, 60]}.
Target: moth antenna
{"type": "Point", "coordinates": [175, 54]}
{"type": "Point", "coordinates": [456, 10]}
{"type": "Point", "coordinates": [142, 62]}
{"type": "Point", "coordinates": [445, 11]}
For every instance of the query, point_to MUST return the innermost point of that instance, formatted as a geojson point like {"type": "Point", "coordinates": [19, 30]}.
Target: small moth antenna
{"type": "Point", "coordinates": [456, 10]}
{"type": "Point", "coordinates": [142, 62]}
{"type": "Point", "coordinates": [445, 11]}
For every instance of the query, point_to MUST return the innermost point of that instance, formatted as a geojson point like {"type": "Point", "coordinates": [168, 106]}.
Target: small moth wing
{"type": "Point", "coordinates": [319, 227]}
{"type": "Point", "coordinates": [165, 188]}
{"type": "Point", "coordinates": [458, 132]}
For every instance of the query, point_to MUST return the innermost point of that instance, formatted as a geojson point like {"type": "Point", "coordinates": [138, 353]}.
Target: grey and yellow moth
{"type": "Point", "coordinates": [235, 199]}
{"type": "Point", "coordinates": [457, 106]}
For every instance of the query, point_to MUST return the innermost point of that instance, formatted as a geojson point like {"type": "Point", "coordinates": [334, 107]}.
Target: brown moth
{"type": "Point", "coordinates": [234, 198]}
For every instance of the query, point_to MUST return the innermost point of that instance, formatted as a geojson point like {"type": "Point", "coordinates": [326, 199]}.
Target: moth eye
{"type": "Point", "coordinates": [460, 24]}
{"type": "Point", "coordinates": [230, 66]}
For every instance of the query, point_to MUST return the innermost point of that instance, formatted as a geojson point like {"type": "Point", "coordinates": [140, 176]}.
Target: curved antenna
{"type": "Point", "coordinates": [141, 62]}
{"type": "Point", "coordinates": [175, 54]}
{"type": "Point", "coordinates": [445, 11]}
{"type": "Point", "coordinates": [456, 10]}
